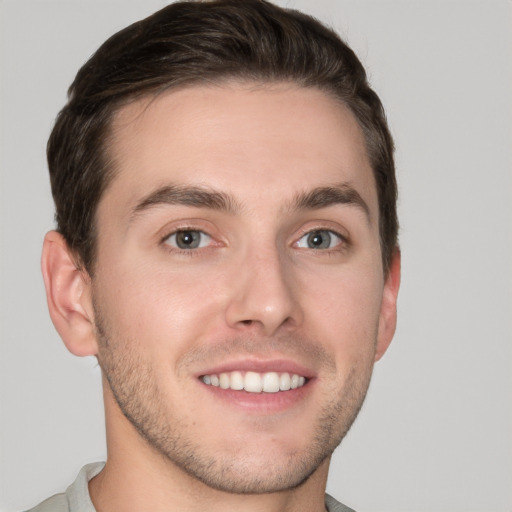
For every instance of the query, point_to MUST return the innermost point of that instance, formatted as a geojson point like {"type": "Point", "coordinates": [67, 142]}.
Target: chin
{"type": "Point", "coordinates": [249, 476]}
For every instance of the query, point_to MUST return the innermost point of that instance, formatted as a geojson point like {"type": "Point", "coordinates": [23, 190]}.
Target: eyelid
{"type": "Point", "coordinates": [323, 226]}
{"type": "Point", "coordinates": [186, 224]}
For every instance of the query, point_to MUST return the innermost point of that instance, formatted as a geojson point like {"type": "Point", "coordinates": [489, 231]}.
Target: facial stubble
{"type": "Point", "coordinates": [139, 396]}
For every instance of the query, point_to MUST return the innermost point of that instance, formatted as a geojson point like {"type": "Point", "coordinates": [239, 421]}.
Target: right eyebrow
{"type": "Point", "coordinates": [198, 197]}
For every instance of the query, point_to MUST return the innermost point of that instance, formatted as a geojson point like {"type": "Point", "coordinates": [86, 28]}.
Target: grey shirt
{"type": "Point", "coordinates": [77, 499]}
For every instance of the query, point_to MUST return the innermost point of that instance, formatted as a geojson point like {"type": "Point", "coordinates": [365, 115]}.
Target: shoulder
{"type": "Point", "coordinates": [57, 503]}
{"type": "Point", "coordinates": [333, 505]}
{"type": "Point", "coordinates": [76, 498]}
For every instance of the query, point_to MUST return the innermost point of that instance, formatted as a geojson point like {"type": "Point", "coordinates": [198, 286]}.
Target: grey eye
{"type": "Point", "coordinates": [319, 239]}
{"type": "Point", "coordinates": [188, 239]}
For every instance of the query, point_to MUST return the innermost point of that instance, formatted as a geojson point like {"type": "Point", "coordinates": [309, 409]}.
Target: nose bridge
{"type": "Point", "coordinates": [264, 292]}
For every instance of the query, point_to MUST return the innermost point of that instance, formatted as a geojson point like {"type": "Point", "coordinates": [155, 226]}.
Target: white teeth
{"type": "Point", "coordinates": [224, 380]}
{"type": "Point", "coordinates": [284, 382]}
{"type": "Point", "coordinates": [253, 382]}
{"type": "Point", "coordinates": [237, 381]}
{"type": "Point", "coordinates": [271, 382]}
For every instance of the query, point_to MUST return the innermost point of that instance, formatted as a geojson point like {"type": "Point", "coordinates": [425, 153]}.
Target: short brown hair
{"type": "Point", "coordinates": [194, 42]}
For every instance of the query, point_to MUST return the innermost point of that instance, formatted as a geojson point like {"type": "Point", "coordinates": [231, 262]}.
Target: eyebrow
{"type": "Point", "coordinates": [205, 197]}
{"type": "Point", "coordinates": [184, 195]}
{"type": "Point", "coordinates": [323, 197]}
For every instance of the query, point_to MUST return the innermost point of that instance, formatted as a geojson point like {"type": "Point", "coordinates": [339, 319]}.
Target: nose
{"type": "Point", "coordinates": [264, 295]}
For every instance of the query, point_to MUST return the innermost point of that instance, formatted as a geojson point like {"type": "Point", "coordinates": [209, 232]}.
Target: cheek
{"type": "Point", "coordinates": [161, 305]}
{"type": "Point", "coordinates": [343, 311]}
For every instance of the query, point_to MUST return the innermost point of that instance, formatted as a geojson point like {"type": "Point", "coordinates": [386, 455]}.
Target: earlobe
{"type": "Point", "coordinates": [68, 292]}
{"type": "Point", "coordinates": [387, 318]}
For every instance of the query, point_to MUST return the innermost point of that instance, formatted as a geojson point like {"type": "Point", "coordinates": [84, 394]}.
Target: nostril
{"type": "Point", "coordinates": [247, 322]}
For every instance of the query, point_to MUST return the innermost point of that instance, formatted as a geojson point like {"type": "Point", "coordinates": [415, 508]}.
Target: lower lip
{"type": "Point", "coordinates": [261, 403]}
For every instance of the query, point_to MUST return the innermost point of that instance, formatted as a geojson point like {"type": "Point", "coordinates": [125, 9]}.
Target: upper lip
{"type": "Point", "coordinates": [260, 366]}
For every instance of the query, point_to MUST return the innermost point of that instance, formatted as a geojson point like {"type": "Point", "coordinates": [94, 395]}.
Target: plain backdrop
{"type": "Point", "coordinates": [435, 433]}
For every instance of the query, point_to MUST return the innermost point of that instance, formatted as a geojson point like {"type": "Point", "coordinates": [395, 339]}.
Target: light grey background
{"type": "Point", "coordinates": [436, 431]}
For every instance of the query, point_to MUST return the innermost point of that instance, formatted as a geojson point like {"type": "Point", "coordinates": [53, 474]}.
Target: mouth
{"type": "Point", "coordinates": [255, 382]}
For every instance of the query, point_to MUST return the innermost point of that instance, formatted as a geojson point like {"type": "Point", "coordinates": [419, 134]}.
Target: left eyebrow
{"type": "Point", "coordinates": [322, 197]}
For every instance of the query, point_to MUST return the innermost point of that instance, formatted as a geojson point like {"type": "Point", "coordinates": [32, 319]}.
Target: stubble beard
{"type": "Point", "coordinates": [136, 392]}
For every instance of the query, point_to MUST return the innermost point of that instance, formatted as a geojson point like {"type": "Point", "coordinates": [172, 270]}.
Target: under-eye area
{"type": "Point", "coordinates": [255, 382]}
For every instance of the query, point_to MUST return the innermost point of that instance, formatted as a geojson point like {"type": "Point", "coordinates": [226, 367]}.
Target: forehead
{"type": "Point", "coordinates": [252, 139]}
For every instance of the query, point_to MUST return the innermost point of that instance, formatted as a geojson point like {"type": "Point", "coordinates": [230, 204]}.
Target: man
{"type": "Point", "coordinates": [226, 246]}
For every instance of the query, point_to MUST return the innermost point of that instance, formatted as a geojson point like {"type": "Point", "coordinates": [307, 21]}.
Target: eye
{"type": "Point", "coordinates": [320, 239]}
{"type": "Point", "coordinates": [188, 239]}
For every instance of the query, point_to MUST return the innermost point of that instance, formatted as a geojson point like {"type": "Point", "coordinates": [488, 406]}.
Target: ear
{"type": "Point", "coordinates": [68, 292]}
{"type": "Point", "coordinates": [387, 318]}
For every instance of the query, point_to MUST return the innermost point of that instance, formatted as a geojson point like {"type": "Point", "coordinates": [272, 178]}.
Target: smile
{"type": "Point", "coordinates": [254, 382]}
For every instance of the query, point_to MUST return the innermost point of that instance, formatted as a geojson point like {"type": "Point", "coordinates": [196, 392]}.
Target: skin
{"type": "Point", "coordinates": [255, 294]}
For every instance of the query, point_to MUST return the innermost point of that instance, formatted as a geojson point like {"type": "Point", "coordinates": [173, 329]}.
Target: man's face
{"type": "Point", "coordinates": [238, 245]}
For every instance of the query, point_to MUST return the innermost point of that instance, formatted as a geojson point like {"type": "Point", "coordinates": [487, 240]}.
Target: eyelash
{"type": "Point", "coordinates": [194, 251]}
{"type": "Point", "coordinates": [341, 246]}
